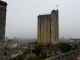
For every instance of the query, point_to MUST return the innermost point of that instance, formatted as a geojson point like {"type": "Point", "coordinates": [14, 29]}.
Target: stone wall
{"type": "Point", "coordinates": [46, 49]}
{"type": "Point", "coordinates": [48, 29]}
{"type": "Point", "coordinates": [66, 56]}
{"type": "Point", "coordinates": [54, 27]}
{"type": "Point", "coordinates": [3, 6]}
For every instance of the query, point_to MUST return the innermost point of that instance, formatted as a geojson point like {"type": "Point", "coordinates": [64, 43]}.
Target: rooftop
{"type": "Point", "coordinates": [3, 2]}
{"type": "Point", "coordinates": [75, 39]}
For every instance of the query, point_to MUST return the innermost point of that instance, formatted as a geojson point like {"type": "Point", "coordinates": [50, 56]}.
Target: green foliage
{"type": "Point", "coordinates": [24, 44]}
{"type": "Point", "coordinates": [48, 45]}
{"type": "Point", "coordinates": [75, 47]}
{"type": "Point", "coordinates": [35, 42]}
{"type": "Point", "coordinates": [5, 53]}
{"type": "Point", "coordinates": [26, 52]}
{"type": "Point", "coordinates": [43, 55]}
{"type": "Point", "coordinates": [65, 47]}
{"type": "Point", "coordinates": [5, 48]}
{"type": "Point", "coordinates": [37, 50]}
{"type": "Point", "coordinates": [20, 58]}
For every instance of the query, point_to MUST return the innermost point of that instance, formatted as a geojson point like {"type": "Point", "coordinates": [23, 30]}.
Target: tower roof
{"type": "Point", "coordinates": [3, 2]}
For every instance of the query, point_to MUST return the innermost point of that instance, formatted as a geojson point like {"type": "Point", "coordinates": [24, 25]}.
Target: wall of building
{"type": "Point", "coordinates": [48, 30]}
{"type": "Point", "coordinates": [3, 6]}
{"type": "Point", "coordinates": [54, 27]}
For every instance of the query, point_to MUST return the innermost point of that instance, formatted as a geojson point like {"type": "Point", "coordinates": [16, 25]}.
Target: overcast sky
{"type": "Point", "coordinates": [21, 19]}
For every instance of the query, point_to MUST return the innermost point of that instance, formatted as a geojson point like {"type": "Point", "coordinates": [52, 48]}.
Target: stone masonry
{"type": "Point", "coordinates": [3, 6]}
{"type": "Point", "coordinates": [48, 29]}
{"type": "Point", "coordinates": [66, 56]}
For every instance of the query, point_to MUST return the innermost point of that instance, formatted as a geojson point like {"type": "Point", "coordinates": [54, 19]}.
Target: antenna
{"type": "Point", "coordinates": [57, 6]}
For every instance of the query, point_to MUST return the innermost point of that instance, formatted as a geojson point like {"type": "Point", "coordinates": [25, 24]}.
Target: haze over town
{"type": "Point", "coordinates": [22, 17]}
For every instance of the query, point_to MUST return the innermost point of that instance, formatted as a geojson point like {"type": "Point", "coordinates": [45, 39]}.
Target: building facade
{"type": "Point", "coordinates": [75, 41]}
{"type": "Point", "coordinates": [3, 6]}
{"type": "Point", "coordinates": [48, 28]}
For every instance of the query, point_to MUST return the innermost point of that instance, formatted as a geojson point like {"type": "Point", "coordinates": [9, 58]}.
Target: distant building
{"type": "Point", "coordinates": [11, 44]}
{"type": "Point", "coordinates": [3, 7]}
{"type": "Point", "coordinates": [75, 41]}
{"type": "Point", "coordinates": [11, 53]}
{"type": "Point", "coordinates": [48, 28]}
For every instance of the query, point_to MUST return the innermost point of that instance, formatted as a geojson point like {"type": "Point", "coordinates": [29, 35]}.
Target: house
{"type": "Point", "coordinates": [11, 44]}
{"type": "Point", "coordinates": [74, 41]}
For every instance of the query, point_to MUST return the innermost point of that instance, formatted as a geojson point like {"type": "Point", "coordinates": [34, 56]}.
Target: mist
{"type": "Point", "coordinates": [21, 18]}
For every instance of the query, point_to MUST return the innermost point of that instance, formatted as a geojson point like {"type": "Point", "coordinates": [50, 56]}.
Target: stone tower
{"type": "Point", "coordinates": [48, 28]}
{"type": "Point", "coordinates": [3, 6]}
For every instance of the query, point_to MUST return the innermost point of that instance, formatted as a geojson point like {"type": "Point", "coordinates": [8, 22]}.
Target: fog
{"type": "Point", "coordinates": [21, 19]}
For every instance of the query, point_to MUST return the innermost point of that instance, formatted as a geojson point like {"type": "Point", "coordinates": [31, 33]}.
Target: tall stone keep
{"type": "Point", "coordinates": [48, 28]}
{"type": "Point", "coordinates": [3, 6]}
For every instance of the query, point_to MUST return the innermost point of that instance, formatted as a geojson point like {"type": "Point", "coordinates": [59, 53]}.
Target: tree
{"type": "Point", "coordinates": [65, 47]}
{"type": "Point", "coordinates": [24, 44]}
{"type": "Point", "coordinates": [5, 48]}
{"type": "Point", "coordinates": [37, 50]}
{"type": "Point", "coordinates": [5, 53]}
{"type": "Point", "coordinates": [75, 47]}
